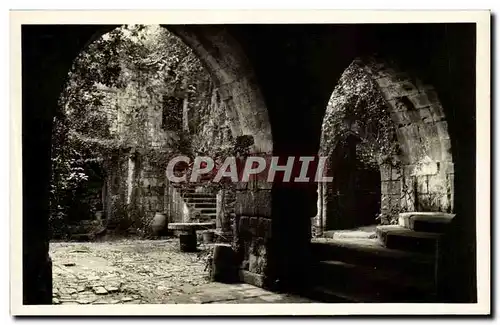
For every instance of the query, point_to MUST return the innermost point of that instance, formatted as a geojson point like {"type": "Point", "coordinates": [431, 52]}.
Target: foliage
{"type": "Point", "coordinates": [357, 108]}
{"type": "Point", "coordinates": [114, 87]}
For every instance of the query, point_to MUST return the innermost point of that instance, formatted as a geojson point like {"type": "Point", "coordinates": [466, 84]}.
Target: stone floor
{"type": "Point", "coordinates": [143, 272]}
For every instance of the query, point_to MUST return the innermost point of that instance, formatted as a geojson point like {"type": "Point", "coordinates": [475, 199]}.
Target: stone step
{"type": "Point", "coordinates": [200, 205]}
{"type": "Point", "coordinates": [397, 237]}
{"type": "Point", "coordinates": [370, 252]}
{"type": "Point", "coordinates": [198, 195]}
{"type": "Point", "coordinates": [206, 210]}
{"type": "Point", "coordinates": [203, 197]}
{"type": "Point", "coordinates": [436, 222]}
{"type": "Point", "coordinates": [196, 200]}
{"type": "Point", "coordinates": [210, 215]}
{"type": "Point", "coordinates": [372, 284]}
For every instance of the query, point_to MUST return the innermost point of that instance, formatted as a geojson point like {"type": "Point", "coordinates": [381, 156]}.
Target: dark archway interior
{"type": "Point", "coordinates": [296, 67]}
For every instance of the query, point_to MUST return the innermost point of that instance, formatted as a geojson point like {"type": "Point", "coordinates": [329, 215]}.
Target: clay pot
{"type": "Point", "coordinates": [159, 224]}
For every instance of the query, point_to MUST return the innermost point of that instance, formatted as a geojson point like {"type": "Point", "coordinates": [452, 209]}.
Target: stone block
{"type": "Point", "coordinates": [262, 203]}
{"type": "Point", "coordinates": [422, 185]}
{"type": "Point", "coordinates": [412, 116]}
{"type": "Point", "coordinates": [437, 183]}
{"type": "Point", "coordinates": [451, 190]}
{"type": "Point", "coordinates": [244, 203]}
{"type": "Point", "coordinates": [244, 225]}
{"type": "Point", "coordinates": [384, 187]}
{"type": "Point", "coordinates": [426, 168]}
{"type": "Point", "coordinates": [394, 187]}
{"type": "Point", "coordinates": [446, 150]}
{"type": "Point", "coordinates": [406, 87]}
{"type": "Point", "coordinates": [385, 205]}
{"type": "Point", "coordinates": [447, 167]}
{"type": "Point", "coordinates": [408, 170]}
{"type": "Point", "coordinates": [264, 228]}
{"type": "Point", "coordinates": [434, 149]}
{"type": "Point", "coordinates": [395, 173]}
{"type": "Point", "coordinates": [251, 278]}
{"type": "Point", "coordinates": [442, 129]}
{"type": "Point", "coordinates": [257, 259]}
{"type": "Point", "coordinates": [425, 115]}
{"type": "Point", "coordinates": [241, 186]}
{"type": "Point", "coordinates": [259, 184]}
{"type": "Point", "coordinates": [420, 100]}
{"type": "Point", "coordinates": [437, 111]}
{"type": "Point", "coordinates": [423, 202]}
{"type": "Point", "coordinates": [392, 92]}
{"type": "Point", "coordinates": [253, 225]}
{"type": "Point", "coordinates": [427, 130]}
{"type": "Point", "coordinates": [383, 82]}
{"type": "Point", "coordinates": [395, 202]}
{"type": "Point", "coordinates": [385, 172]}
{"type": "Point", "coordinates": [399, 118]}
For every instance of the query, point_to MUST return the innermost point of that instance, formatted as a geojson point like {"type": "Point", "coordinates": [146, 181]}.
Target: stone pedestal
{"type": "Point", "coordinates": [187, 237]}
{"type": "Point", "coordinates": [188, 242]}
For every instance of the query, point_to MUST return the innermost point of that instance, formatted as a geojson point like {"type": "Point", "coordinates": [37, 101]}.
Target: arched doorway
{"type": "Point", "coordinates": [402, 135]}
{"type": "Point", "coordinates": [42, 52]}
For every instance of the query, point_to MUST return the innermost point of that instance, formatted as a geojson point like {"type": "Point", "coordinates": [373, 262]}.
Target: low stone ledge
{"type": "Point", "coordinates": [251, 278]}
{"type": "Point", "coordinates": [191, 226]}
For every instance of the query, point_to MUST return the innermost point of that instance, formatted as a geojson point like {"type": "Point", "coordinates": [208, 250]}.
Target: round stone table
{"type": "Point", "coordinates": [187, 233]}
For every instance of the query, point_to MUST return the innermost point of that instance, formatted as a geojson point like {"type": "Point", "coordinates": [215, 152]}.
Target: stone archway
{"type": "Point", "coordinates": [48, 53]}
{"type": "Point", "coordinates": [423, 176]}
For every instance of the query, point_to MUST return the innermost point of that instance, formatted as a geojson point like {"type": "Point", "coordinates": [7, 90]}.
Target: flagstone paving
{"type": "Point", "coordinates": [143, 272]}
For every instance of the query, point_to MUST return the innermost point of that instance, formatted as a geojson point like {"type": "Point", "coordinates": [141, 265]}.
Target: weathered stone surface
{"type": "Point", "coordinates": [244, 203]}
{"type": "Point", "coordinates": [257, 258]}
{"type": "Point", "coordinates": [100, 291]}
{"type": "Point", "coordinates": [111, 289]}
{"type": "Point", "coordinates": [262, 201]}
{"type": "Point", "coordinates": [420, 100]}
{"type": "Point", "coordinates": [138, 267]}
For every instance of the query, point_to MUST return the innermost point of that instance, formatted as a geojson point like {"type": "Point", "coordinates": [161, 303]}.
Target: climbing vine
{"type": "Point", "coordinates": [357, 108]}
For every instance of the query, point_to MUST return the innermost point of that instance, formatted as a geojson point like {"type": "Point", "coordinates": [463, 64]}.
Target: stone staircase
{"type": "Point", "coordinates": [393, 263]}
{"type": "Point", "coordinates": [202, 204]}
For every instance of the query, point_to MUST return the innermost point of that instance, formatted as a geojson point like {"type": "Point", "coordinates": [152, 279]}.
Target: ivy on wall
{"type": "Point", "coordinates": [357, 108]}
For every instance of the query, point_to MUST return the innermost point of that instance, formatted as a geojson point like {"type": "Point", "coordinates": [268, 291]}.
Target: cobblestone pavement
{"type": "Point", "coordinates": [142, 272]}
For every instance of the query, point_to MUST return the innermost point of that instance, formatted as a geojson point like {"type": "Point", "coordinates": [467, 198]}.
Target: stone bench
{"type": "Point", "coordinates": [187, 233]}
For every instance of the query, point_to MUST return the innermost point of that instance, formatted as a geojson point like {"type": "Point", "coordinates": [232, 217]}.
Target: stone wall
{"type": "Point", "coordinates": [226, 217]}
{"type": "Point", "coordinates": [424, 179]}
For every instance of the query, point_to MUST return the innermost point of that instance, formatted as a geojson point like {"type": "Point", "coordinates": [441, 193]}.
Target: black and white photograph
{"type": "Point", "coordinates": [241, 164]}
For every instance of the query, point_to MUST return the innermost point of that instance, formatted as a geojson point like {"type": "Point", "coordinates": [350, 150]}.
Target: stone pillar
{"type": "Point", "coordinates": [252, 229]}
{"type": "Point", "coordinates": [225, 215]}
